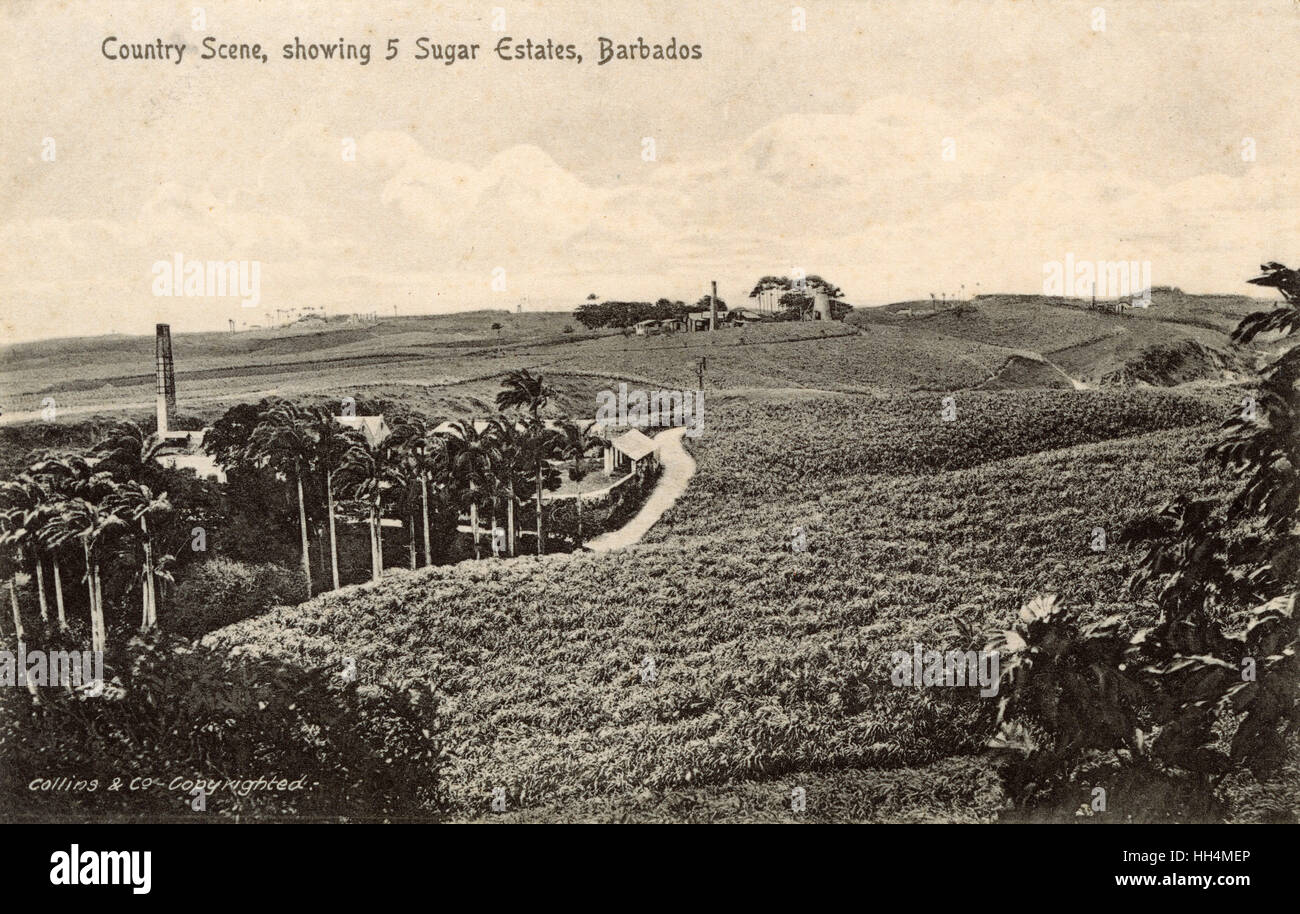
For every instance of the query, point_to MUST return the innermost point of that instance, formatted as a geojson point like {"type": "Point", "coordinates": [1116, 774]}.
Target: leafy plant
{"type": "Point", "coordinates": [173, 712]}
{"type": "Point", "coordinates": [1213, 686]}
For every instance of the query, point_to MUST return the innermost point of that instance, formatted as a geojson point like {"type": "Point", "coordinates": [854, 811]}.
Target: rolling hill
{"type": "Point", "coordinates": [772, 667]}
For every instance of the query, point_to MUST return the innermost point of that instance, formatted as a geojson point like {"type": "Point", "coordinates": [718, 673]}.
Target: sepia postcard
{"type": "Point", "coordinates": [745, 412]}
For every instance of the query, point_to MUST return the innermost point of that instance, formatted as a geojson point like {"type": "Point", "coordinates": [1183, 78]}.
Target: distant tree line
{"type": "Point", "coordinates": [619, 314]}
{"type": "Point", "coordinates": [796, 304]}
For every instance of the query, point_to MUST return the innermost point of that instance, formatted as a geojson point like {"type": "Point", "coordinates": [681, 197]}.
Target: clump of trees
{"type": "Point", "coordinates": [94, 522]}
{"type": "Point", "coordinates": [629, 313]}
{"type": "Point", "coordinates": [103, 530]}
{"type": "Point", "coordinates": [1211, 689]}
{"type": "Point", "coordinates": [345, 748]}
{"type": "Point", "coordinates": [105, 534]}
{"type": "Point", "coordinates": [797, 302]}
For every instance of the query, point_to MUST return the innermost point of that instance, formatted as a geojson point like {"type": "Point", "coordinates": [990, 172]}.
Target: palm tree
{"type": "Point", "coordinates": [48, 511]}
{"type": "Point", "coordinates": [25, 500]}
{"type": "Point", "coordinates": [471, 464]}
{"type": "Point", "coordinates": [60, 476]}
{"type": "Point", "coordinates": [501, 485]}
{"type": "Point", "coordinates": [366, 471]}
{"type": "Point", "coordinates": [574, 443]}
{"type": "Point", "coordinates": [522, 390]}
{"type": "Point", "coordinates": [332, 443]}
{"type": "Point", "coordinates": [424, 455]}
{"type": "Point", "coordinates": [538, 445]}
{"type": "Point", "coordinates": [135, 501]}
{"type": "Point", "coordinates": [63, 476]}
{"type": "Point", "coordinates": [9, 535]}
{"type": "Point", "coordinates": [284, 441]}
{"type": "Point", "coordinates": [506, 465]}
{"type": "Point", "coordinates": [82, 519]}
{"type": "Point", "coordinates": [129, 452]}
{"type": "Point", "coordinates": [404, 487]}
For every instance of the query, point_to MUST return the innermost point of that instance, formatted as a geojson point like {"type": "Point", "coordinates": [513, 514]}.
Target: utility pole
{"type": "Point", "coordinates": [713, 307]}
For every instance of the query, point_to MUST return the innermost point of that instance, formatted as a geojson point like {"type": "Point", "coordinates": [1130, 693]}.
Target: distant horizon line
{"type": "Point", "coordinates": [539, 309]}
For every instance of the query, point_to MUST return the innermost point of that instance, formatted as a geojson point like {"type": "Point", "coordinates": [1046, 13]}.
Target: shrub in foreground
{"type": "Point", "coordinates": [175, 715]}
{"type": "Point", "coordinates": [219, 592]}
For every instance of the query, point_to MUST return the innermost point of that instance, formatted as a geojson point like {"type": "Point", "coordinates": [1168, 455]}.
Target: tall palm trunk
{"type": "Point", "coordinates": [473, 517]}
{"type": "Point", "coordinates": [510, 522]}
{"type": "Point", "coordinates": [424, 500]}
{"type": "Point", "coordinates": [98, 623]}
{"type": "Point", "coordinates": [18, 616]}
{"type": "Point", "coordinates": [144, 603]}
{"type": "Point", "coordinates": [334, 543]}
{"type": "Point", "coordinates": [541, 544]}
{"type": "Point", "coordinates": [376, 524]}
{"type": "Point", "coordinates": [578, 474]}
{"type": "Point", "coordinates": [410, 540]}
{"type": "Point", "coordinates": [150, 589]}
{"type": "Point", "coordinates": [370, 532]}
{"type": "Point", "coordinates": [18, 633]}
{"type": "Point", "coordinates": [90, 591]}
{"type": "Point", "coordinates": [58, 592]}
{"type": "Point", "coordinates": [40, 586]}
{"type": "Point", "coordinates": [302, 523]}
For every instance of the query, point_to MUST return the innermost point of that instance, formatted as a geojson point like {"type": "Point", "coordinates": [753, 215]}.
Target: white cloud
{"type": "Point", "coordinates": [865, 197]}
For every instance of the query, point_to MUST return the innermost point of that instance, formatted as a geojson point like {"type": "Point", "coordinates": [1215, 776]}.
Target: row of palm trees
{"type": "Point", "coordinates": [61, 502]}
{"type": "Point", "coordinates": [83, 510]}
{"type": "Point", "coordinates": [461, 465]}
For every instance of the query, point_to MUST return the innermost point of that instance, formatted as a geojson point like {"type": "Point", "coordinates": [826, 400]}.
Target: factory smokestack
{"type": "Point", "coordinates": [166, 376]}
{"type": "Point", "coordinates": [713, 308]}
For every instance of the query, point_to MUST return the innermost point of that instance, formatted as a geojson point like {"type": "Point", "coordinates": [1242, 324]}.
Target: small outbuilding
{"type": "Point", "coordinates": [631, 452]}
{"type": "Point", "coordinates": [181, 450]}
{"type": "Point", "coordinates": [373, 428]}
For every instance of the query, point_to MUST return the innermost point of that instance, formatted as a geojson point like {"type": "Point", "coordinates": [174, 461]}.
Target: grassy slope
{"type": "Point", "coordinates": [1091, 346]}
{"type": "Point", "coordinates": [876, 348]}
{"type": "Point", "coordinates": [770, 666]}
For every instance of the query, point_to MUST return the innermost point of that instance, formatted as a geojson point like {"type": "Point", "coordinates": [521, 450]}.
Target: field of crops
{"type": "Point", "coordinates": [873, 350]}
{"type": "Point", "coordinates": [808, 356]}
{"type": "Point", "coordinates": [823, 439]}
{"type": "Point", "coordinates": [771, 665]}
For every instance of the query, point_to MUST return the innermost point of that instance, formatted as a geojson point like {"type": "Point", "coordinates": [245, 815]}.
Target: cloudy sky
{"type": "Point", "coordinates": [821, 150]}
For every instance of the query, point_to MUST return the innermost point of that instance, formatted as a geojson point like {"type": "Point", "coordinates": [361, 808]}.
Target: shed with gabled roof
{"type": "Point", "coordinates": [631, 450]}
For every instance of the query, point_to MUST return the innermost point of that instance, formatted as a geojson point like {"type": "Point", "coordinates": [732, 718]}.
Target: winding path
{"type": "Point", "coordinates": [678, 468]}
